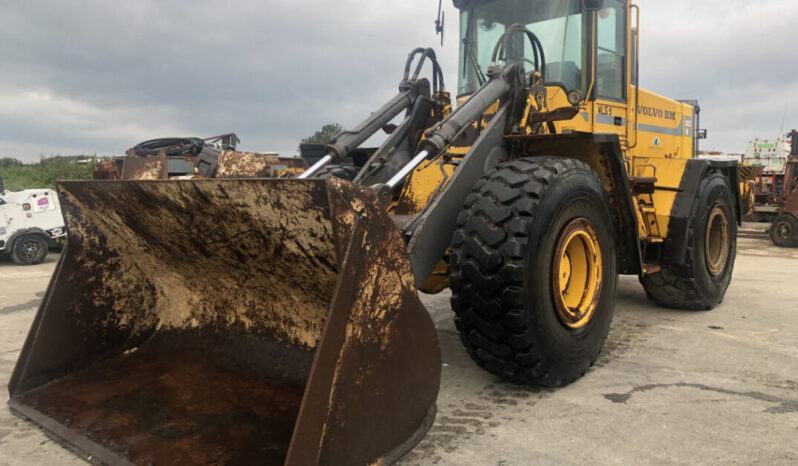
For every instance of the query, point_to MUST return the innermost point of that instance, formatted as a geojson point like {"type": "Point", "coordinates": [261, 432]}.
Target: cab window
{"type": "Point", "coordinates": [560, 26]}
{"type": "Point", "coordinates": [611, 50]}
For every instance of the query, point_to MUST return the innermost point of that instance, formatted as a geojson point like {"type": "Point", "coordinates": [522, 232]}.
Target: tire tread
{"type": "Point", "coordinates": [487, 269]}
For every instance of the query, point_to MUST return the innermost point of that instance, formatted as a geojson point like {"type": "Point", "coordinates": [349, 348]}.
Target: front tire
{"type": "Point", "coordinates": [701, 283]}
{"type": "Point", "coordinates": [533, 271]}
{"type": "Point", "coordinates": [29, 250]}
{"type": "Point", "coordinates": [784, 231]}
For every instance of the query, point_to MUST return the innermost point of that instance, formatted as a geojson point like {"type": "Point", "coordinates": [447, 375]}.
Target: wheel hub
{"type": "Point", "coordinates": [30, 249]}
{"type": "Point", "coordinates": [784, 230]}
{"type": "Point", "coordinates": [577, 274]}
{"type": "Point", "coordinates": [716, 244]}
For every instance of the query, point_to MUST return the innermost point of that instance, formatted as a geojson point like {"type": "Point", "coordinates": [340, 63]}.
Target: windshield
{"type": "Point", "coordinates": [557, 23]}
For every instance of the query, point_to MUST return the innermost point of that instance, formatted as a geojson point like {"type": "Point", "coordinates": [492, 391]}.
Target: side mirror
{"type": "Point", "coordinates": [592, 5]}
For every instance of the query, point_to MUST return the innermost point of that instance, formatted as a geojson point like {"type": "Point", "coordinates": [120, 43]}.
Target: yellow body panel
{"type": "Point", "coordinates": [426, 180]}
{"type": "Point", "coordinates": [664, 135]}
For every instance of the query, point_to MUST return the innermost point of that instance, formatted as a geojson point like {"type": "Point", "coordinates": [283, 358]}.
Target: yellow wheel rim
{"type": "Point", "coordinates": [577, 274]}
{"type": "Point", "coordinates": [716, 245]}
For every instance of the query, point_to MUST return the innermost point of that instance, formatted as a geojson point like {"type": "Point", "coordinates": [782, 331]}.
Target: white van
{"type": "Point", "coordinates": [30, 222]}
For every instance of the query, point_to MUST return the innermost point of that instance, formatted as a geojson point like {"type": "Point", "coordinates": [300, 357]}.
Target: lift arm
{"type": "Point", "coordinates": [409, 93]}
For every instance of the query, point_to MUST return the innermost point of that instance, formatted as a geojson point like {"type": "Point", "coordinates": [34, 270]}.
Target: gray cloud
{"type": "Point", "coordinates": [97, 76]}
{"type": "Point", "coordinates": [734, 56]}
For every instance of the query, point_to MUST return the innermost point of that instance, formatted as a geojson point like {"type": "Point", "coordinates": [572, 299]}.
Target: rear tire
{"type": "Point", "coordinates": [784, 231]}
{"type": "Point", "coordinates": [701, 283]}
{"type": "Point", "coordinates": [29, 250]}
{"type": "Point", "coordinates": [518, 227]}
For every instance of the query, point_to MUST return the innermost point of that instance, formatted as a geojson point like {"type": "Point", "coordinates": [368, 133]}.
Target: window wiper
{"type": "Point", "coordinates": [471, 55]}
{"type": "Point", "coordinates": [469, 50]}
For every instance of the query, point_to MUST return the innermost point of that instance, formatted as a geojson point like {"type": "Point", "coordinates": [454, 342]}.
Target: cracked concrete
{"type": "Point", "coordinates": [670, 387]}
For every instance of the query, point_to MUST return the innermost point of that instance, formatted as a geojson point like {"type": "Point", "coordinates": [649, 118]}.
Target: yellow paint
{"type": "Point", "coordinates": [438, 280]}
{"type": "Point", "coordinates": [424, 182]}
{"type": "Point", "coordinates": [667, 152]}
{"type": "Point", "coordinates": [578, 280]}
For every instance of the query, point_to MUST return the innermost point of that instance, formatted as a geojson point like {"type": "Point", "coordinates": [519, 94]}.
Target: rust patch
{"type": "Point", "coordinates": [192, 407]}
{"type": "Point", "coordinates": [384, 320]}
{"type": "Point", "coordinates": [139, 168]}
{"type": "Point", "coordinates": [233, 164]}
{"type": "Point", "coordinates": [387, 272]}
{"type": "Point", "coordinates": [106, 170]}
{"type": "Point", "coordinates": [245, 164]}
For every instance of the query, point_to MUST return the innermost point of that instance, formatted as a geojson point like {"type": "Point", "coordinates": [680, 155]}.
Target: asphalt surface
{"type": "Point", "coordinates": [670, 387]}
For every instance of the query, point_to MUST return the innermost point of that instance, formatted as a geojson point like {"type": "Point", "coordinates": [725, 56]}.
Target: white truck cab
{"type": "Point", "coordinates": [30, 221]}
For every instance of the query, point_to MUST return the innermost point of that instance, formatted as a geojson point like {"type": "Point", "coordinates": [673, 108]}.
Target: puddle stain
{"type": "Point", "coordinates": [32, 304]}
{"type": "Point", "coordinates": [784, 406]}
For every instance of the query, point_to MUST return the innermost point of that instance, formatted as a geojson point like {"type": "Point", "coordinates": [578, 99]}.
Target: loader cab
{"type": "Point", "coordinates": [567, 33]}
{"type": "Point", "coordinates": [587, 46]}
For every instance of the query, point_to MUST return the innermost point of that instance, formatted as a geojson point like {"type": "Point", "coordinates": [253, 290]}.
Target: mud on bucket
{"type": "Point", "coordinates": [230, 322]}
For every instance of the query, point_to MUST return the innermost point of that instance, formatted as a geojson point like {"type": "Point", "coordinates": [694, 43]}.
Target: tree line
{"type": "Point", "coordinates": [42, 174]}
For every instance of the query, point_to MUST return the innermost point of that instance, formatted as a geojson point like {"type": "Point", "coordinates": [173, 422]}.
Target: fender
{"type": "Point", "coordinates": [675, 246]}
{"type": "Point", "coordinates": [602, 151]}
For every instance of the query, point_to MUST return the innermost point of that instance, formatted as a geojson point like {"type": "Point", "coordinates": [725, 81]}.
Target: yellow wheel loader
{"type": "Point", "coordinates": [277, 321]}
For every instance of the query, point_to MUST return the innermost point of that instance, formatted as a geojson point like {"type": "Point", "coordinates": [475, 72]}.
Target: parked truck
{"type": "Point", "coordinates": [30, 222]}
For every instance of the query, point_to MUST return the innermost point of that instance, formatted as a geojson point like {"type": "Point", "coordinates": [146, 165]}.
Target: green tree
{"type": "Point", "coordinates": [9, 162]}
{"type": "Point", "coordinates": [42, 174]}
{"type": "Point", "coordinates": [324, 135]}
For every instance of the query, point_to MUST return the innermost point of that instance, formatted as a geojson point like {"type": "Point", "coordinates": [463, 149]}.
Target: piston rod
{"type": "Point", "coordinates": [402, 174]}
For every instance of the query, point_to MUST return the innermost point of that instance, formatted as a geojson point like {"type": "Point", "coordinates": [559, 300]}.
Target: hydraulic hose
{"type": "Point", "coordinates": [408, 97]}
{"type": "Point", "coordinates": [186, 147]}
{"type": "Point", "coordinates": [437, 73]}
{"type": "Point", "coordinates": [499, 52]}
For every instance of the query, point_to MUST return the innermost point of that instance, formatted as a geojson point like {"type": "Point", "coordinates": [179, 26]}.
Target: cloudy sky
{"type": "Point", "coordinates": [98, 76]}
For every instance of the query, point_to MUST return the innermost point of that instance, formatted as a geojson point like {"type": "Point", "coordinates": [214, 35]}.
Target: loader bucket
{"type": "Point", "coordinates": [230, 322]}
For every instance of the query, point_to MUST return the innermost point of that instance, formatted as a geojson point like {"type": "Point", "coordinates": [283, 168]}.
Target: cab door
{"type": "Point", "coordinates": [610, 89]}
